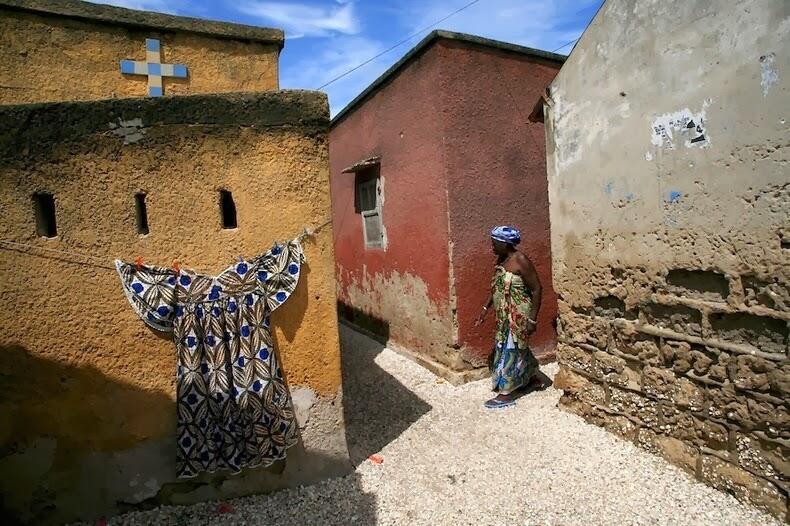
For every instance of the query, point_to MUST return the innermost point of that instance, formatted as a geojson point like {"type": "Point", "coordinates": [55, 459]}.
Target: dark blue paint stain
{"type": "Point", "coordinates": [674, 196]}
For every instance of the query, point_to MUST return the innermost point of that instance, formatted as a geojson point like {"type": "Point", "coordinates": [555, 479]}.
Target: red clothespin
{"type": "Point", "coordinates": [176, 266]}
{"type": "Point", "coordinates": [138, 263]}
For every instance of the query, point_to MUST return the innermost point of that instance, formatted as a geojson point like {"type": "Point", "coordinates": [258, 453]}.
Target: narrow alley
{"type": "Point", "coordinates": [443, 464]}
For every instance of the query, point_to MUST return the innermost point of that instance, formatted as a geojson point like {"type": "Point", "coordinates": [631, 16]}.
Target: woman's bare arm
{"type": "Point", "coordinates": [486, 306]}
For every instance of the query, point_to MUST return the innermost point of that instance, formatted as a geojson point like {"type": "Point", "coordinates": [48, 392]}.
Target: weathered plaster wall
{"type": "Point", "coordinates": [48, 57]}
{"type": "Point", "coordinates": [496, 174]}
{"type": "Point", "coordinates": [670, 249]}
{"type": "Point", "coordinates": [87, 416]}
{"type": "Point", "coordinates": [405, 285]}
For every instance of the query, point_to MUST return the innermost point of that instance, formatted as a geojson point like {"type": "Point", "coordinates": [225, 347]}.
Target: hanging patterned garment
{"type": "Point", "coordinates": [234, 408]}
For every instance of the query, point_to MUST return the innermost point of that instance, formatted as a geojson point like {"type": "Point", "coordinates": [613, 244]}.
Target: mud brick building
{"type": "Point", "coordinates": [424, 163]}
{"type": "Point", "coordinates": [667, 161]}
{"type": "Point", "coordinates": [87, 409]}
{"type": "Point", "coordinates": [53, 50]}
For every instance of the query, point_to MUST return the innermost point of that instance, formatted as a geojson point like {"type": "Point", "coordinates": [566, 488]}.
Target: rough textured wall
{"type": "Point", "coordinates": [87, 415]}
{"type": "Point", "coordinates": [48, 57]}
{"type": "Point", "coordinates": [496, 174]}
{"type": "Point", "coordinates": [668, 156]}
{"type": "Point", "coordinates": [406, 285]}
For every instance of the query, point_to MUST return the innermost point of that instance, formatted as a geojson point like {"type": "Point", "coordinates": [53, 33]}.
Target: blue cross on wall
{"type": "Point", "coordinates": [153, 67]}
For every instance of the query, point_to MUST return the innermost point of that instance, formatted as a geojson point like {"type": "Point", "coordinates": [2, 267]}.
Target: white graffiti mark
{"type": "Point", "coordinates": [131, 131]}
{"type": "Point", "coordinates": [681, 127]}
{"type": "Point", "coordinates": [769, 75]}
{"type": "Point", "coordinates": [648, 156]}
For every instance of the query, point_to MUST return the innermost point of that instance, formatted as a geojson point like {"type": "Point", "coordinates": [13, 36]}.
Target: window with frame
{"type": "Point", "coordinates": [368, 198]}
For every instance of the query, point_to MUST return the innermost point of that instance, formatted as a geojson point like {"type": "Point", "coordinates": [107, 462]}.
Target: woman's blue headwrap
{"type": "Point", "coordinates": [506, 234]}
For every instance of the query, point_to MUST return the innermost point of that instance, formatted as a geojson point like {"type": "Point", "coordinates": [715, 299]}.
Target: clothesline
{"type": "Point", "coordinates": [16, 246]}
{"type": "Point", "coordinates": [25, 248]}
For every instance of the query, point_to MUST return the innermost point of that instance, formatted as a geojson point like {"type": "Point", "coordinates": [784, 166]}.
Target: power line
{"type": "Point", "coordinates": [470, 4]}
{"type": "Point", "coordinates": [565, 44]}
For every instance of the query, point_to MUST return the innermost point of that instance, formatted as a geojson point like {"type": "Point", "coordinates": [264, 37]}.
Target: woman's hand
{"type": "Point", "coordinates": [531, 326]}
{"type": "Point", "coordinates": [482, 317]}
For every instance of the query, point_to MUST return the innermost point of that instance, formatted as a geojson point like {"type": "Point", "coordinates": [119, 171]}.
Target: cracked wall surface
{"type": "Point", "coordinates": [667, 145]}
{"type": "Point", "coordinates": [87, 410]}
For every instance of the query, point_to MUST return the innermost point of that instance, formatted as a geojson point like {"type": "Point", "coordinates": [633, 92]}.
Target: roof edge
{"type": "Point", "coordinates": [362, 165]}
{"type": "Point", "coordinates": [107, 14]}
{"type": "Point", "coordinates": [34, 128]}
{"type": "Point", "coordinates": [425, 43]}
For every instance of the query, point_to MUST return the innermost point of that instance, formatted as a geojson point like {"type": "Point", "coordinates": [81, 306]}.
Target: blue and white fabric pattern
{"type": "Point", "coordinates": [234, 407]}
{"type": "Point", "coordinates": [512, 367]}
{"type": "Point", "coordinates": [506, 234]}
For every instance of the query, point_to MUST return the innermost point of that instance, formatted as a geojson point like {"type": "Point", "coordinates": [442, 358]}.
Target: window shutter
{"type": "Point", "coordinates": [372, 227]}
{"type": "Point", "coordinates": [368, 193]}
{"type": "Point", "coordinates": [367, 196]}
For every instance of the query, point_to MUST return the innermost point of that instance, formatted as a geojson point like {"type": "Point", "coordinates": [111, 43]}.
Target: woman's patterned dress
{"type": "Point", "coordinates": [513, 364]}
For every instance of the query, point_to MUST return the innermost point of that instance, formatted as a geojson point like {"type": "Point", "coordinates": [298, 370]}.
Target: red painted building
{"type": "Point", "coordinates": [424, 163]}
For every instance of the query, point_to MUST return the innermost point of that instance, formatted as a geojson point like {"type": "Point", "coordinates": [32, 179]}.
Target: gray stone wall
{"type": "Point", "coordinates": [667, 143]}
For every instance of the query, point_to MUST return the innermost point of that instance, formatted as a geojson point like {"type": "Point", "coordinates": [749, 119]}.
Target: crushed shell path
{"type": "Point", "coordinates": [455, 463]}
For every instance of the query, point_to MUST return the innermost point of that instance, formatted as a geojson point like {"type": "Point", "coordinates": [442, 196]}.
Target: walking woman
{"type": "Point", "coordinates": [515, 296]}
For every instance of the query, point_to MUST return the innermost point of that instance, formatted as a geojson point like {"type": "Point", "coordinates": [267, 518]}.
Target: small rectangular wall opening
{"type": "Point", "coordinates": [703, 284]}
{"type": "Point", "coordinates": [367, 203]}
{"type": "Point", "coordinates": [44, 207]}
{"type": "Point", "coordinates": [227, 209]}
{"type": "Point", "coordinates": [141, 214]}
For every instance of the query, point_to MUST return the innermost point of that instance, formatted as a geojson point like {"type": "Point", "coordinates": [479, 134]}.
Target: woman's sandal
{"type": "Point", "coordinates": [498, 404]}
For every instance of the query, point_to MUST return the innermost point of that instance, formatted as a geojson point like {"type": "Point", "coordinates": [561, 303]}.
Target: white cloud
{"type": "Point", "coordinates": [331, 59]}
{"type": "Point", "coordinates": [305, 20]}
{"type": "Point", "coordinates": [542, 24]}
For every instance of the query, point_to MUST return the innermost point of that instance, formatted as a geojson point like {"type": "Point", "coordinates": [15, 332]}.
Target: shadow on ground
{"type": "Point", "coordinates": [75, 444]}
{"type": "Point", "coordinates": [377, 408]}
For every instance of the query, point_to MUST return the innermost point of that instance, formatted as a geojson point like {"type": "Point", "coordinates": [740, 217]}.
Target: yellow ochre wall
{"type": "Point", "coordinates": [59, 50]}
{"type": "Point", "coordinates": [87, 390]}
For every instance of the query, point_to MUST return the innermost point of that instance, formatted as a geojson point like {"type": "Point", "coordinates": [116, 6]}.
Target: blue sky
{"type": "Point", "coordinates": [324, 38]}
